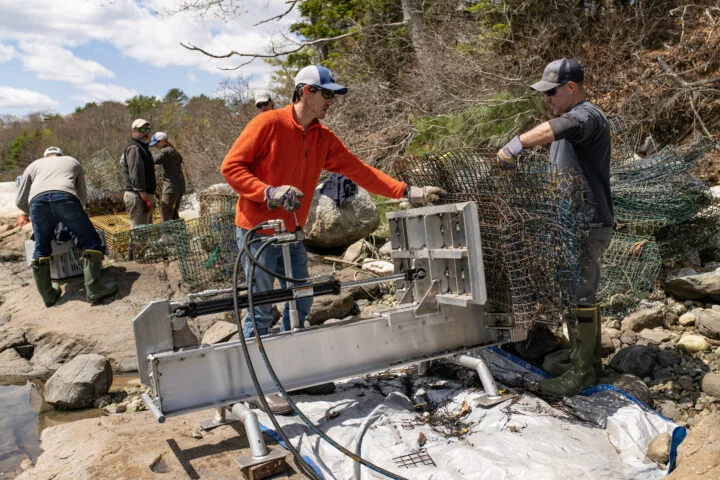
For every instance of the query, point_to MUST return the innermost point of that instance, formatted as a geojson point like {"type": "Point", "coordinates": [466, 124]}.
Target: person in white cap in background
{"type": "Point", "coordinates": [263, 101]}
{"type": "Point", "coordinates": [52, 190]}
{"type": "Point", "coordinates": [276, 162]}
{"type": "Point", "coordinates": [139, 170]}
{"type": "Point", "coordinates": [173, 178]}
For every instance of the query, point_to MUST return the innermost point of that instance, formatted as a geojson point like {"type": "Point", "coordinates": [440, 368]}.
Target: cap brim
{"type": "Point", "coordinates": [339, 89]}
{"type": "Point", "coordinates": [543, 86]}
{"type": "Point", "coordinates": [153, 143]}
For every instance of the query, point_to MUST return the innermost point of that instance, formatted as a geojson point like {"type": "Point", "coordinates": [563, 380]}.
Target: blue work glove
{"type": "Point", "coordinates": [506, 155]}
{"type": "Point", "coordinates": [285, 196]}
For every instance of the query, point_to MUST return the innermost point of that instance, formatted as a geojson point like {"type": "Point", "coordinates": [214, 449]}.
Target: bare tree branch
{"type": "Point", "coordinates": [279, 17]}
{"type": "Point", "coordinates": [299, 46]}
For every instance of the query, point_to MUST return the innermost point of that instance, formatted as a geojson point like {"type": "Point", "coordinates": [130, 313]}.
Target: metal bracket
{"type": "Point", "coordinates": [428, 304]}
{"type": "Point", "coordinates": [254, 468]}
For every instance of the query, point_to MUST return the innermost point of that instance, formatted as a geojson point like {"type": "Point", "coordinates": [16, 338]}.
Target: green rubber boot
{"type": "Point", "coordinates": [49, 290]}
{"type": "Point", "coordinates": [92, 264]}
{"type": "Point", "coordinates": [581, 373]}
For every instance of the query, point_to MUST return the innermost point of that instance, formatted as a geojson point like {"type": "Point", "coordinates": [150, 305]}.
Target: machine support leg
{"type": "Point", "coordinates": [219, 419]}
{"type": "Point", "coordinates": [492, 395]}
{"type": "Point", "coordinates": [262, 462]}
{"type": "Point", "coordinates": [293, 314]}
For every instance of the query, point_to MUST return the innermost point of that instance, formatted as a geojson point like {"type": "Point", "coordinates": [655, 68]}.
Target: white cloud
{"type": "Point", "coordinates": [25, 100]}
{"type": "Point", "coordinates": [192, 77]}
{"type": "Point", "coordinates": [55, 63]}
{"type": "Point", "coordinates": [98, 92]}
{"type": "Point", "coordinates": [48, 34]}
{"type": "Point", "coordinates": [7, 53]}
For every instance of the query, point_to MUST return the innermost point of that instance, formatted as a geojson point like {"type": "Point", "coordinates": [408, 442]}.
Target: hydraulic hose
{"type": "Point", "coordinates": [306, 469]}
{"type": "Point", "coordinates": [250, 280]}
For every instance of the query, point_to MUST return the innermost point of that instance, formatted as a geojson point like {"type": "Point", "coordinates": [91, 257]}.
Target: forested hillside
{"type": "Point", "coordinates": [431, 75]}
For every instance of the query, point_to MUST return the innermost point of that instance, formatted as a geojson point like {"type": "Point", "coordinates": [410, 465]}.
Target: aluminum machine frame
{"type": "Point", "coordinates": [437, 254]}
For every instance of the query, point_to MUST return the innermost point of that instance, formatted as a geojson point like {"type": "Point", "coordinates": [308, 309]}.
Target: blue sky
{"type": "Point", "coordinates": [56, 55]}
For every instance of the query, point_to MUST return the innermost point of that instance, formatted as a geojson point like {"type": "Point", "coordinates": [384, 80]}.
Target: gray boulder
{"type": "Point", "coordinates": [79, 382]}
{"type": "Point", "coordinates": [330, 306]}
{"type": "Point", "coordinates": [695, 287]}
{"type": "Point", "coordinates": [711, 384]}
{"type": "Point", "coordinates": [649, 318]}
{"type": "Point", "coordinates": [708, 322]}
{"type": "Point", "coordinates": [635, 387]}
{"type": "Point", "coordinates": [13, 367]}
{"type": "Point", "coordinates": [637, 360]}
{"type": "Point", "coordinates": [219, 332]}
{"type": "Point", "coordinates": [330, 226]}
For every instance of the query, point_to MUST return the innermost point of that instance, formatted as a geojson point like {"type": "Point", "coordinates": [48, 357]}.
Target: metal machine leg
{"type": "Point", "coordinates": [293, 313]}
{"type": "Point", "coordinates": [262, 462]}
{"type": "Point", "coordinates": [492, 396]}
{"type": "Point", "coordinates": [221, 418]}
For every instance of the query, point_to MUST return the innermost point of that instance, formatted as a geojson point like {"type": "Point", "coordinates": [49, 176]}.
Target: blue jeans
{"type": "Point", "coordinates": [50, 208]}
{"type": "Point", "coordinates": [272, 258]}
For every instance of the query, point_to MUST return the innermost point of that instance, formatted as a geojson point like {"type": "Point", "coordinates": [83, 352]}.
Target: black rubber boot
{"type": "Point", "coordinates": [49, 290]}
{"type": "Point", "coordinates": [92, 264]}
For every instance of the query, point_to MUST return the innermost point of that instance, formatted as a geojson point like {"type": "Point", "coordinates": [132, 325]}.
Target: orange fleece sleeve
{"type": "Point", "coordinates": [341, 160]}
{"type": "Point", "coordinates": [236, 165]}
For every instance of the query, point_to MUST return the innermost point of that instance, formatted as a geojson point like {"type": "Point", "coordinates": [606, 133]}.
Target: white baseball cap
{"type": "Point", "coordinates": [138, 123]}
{"type": "Point", "coordinates": [52, 151]}
{"type": "Point", "coordinates": [319, 76]}
{"type": "Point", "coordinates": [262, 96]}
{"type": "Point", "coordinates": [157, 137]}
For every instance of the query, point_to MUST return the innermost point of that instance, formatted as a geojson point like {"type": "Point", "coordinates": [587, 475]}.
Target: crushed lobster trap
{"type": "Point", "coordinates": [528, 225]}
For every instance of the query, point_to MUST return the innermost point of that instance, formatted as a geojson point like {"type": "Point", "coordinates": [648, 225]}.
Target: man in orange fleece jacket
{"type": "Point", "coordinates": [277, 160]}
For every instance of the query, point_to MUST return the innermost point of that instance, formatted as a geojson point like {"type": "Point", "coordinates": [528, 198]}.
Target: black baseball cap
{"type": "Point", "coordinates": [559, 72]}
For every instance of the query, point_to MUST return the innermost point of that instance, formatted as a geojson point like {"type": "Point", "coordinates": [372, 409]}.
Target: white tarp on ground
{"type": "Point", "coordinates": [524, 437]}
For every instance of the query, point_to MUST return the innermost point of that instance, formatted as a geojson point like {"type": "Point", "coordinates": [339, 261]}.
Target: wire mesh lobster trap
{"type": "Point", "coordinates": [206, 251]}
{"type": "Point", "coordinates": [630, 265]}
{"type": "Point", "coordinates": [528, 224]}
{"type": "Point", "coordinates": [103, 172]}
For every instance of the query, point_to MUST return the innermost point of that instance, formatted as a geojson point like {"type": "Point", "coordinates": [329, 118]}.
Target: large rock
{"type": "Point", "coordinates": [637, 360]}
{"type": "Point", "coordinates": [635, 387]}
{"type": "Point", "coordinates": [330, 226]}
{"type": "Point", "coordinates": [330, 306]}
{"type": "Point", "coordinates": [698, 456]}
{"type": "Point", "coordinates": [708, 322]}
{"type": "Point", "coordinates": [219, 332]}
{"type": "Point", "coordinates": [79, 382]}
{"type": "Point", "coordinates": [654, 336]}
{"type": "Point", "coordinates": [659, 448]}
{"type": "Point", "coordinates": [13, 367]}
{"type": "Point", "coordinates": [649, 318]}
{"type": "Point", "coordinates": [695, 287]}
{"type": "Point", "coordinates": [711, 384]}
{"type": "Point", "coordinates": [693, 343]}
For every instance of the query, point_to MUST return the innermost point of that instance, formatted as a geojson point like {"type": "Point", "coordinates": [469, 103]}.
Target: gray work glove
{"type": "Point", "coordinates": [420, 195]}
{"type": "Point", "coordinates": [506, 155]}
{"type": "Point", "coordinates": [285, 196]}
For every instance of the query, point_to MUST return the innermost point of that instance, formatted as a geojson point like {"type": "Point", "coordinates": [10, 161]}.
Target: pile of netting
{"type": "Point", "coordinates": [665, 216]}
{"type": "Point", "coordinates": [529, 230]}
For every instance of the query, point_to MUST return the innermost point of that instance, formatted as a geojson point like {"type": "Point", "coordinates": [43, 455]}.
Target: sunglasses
{"type": "Point", "coordinates": [262, 104]}
{"type": "Point", "coordinates": [326, 94]}
{"type": "Point", "coordinates": [143, 129]}
{"type": "Point", "coordinates": [551, 93]}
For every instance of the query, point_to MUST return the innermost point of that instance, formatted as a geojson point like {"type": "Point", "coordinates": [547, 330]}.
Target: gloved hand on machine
{"type": "Point", "coordinates": [421, 195]}
{"type": "Point", "coordinates": [507, 154]}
